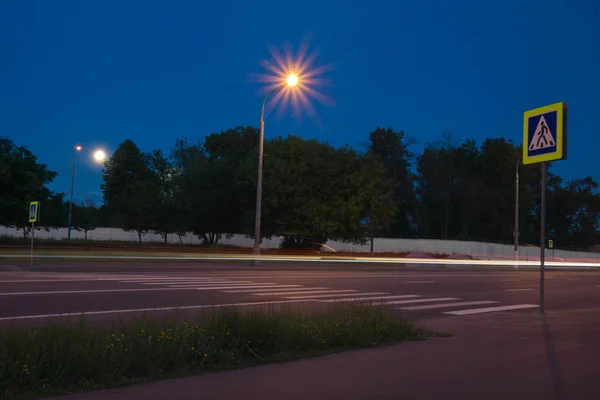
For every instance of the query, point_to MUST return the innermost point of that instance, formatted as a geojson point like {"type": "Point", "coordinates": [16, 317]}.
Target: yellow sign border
{"type": "Point", "coordinates": [560, 144]}
{"type": "Point", "coordinates": [37, 211]}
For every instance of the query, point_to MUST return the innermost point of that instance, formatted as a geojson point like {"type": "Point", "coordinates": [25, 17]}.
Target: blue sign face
{"type": "Point", "coordinates": [543, 131]}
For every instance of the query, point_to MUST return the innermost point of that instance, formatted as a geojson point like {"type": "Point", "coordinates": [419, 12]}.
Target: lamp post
{"type": "Point", "coordinates": [75, 150]}
{"type": "Point", "coordinates": [99, 156]}
{"type": "Point", "coordinates": [291, 81]}
{"type": "Point", "coordinates": [517, 212]}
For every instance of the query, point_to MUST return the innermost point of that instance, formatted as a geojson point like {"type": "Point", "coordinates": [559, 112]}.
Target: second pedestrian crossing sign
{"type": "Point", "coordinates": [545, 134]}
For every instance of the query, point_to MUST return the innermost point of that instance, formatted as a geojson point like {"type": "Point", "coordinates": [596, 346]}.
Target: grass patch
{"type": "Point", "coordinates": [62, 357]}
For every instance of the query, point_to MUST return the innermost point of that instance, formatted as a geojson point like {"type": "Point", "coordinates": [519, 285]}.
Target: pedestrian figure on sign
{"type": "Point", "coordinates": [543, 132]}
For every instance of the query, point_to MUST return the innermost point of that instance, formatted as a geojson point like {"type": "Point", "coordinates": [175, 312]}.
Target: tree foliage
{"type": "Point", "coordinates": [131, 189]}
{"type": "Point", "coordinates": [85, 217]}
{"type": "Point", "coordinates": [313, 191]}
{"type": "Point", "coordinates": [23, 180]}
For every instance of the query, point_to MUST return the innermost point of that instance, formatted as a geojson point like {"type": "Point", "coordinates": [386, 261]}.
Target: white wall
{"type": "Point", "coordinates": [480, 250]}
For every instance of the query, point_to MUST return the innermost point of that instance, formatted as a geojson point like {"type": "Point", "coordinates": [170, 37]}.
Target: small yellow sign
{"type": "Point", "coordinates": [34, 210]}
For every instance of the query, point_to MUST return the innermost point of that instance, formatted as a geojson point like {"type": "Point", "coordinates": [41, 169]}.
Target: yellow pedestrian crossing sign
{"type": "Point", "coordinates": [34, 208]}
{"type": "Point", "coordinates": [545, 134]}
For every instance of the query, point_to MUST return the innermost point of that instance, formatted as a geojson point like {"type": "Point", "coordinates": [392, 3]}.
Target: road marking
{"type": "Point", "coordinates": [420, 282]}
{"type": "Point", "coordinates": [370, 298]}
{"type": "Point", "coordinates": [91, 291]}
{"type": "Point", "coordinates": [510, 280]}
{"type": "Point", "coordinates": [447, 305]}
{"type": "Point", "coordinates": [518, 290]}
{"type": "Point", "coordinates": [257, 287]}
{"type": "Point", "coordinates": [232, 283]}
{"type": "Point", "coordinates": [192, 282]}
{"type": "Point", "coordinates": [159, 281]}
{"type": "Point", "coordinates": [72, 314]}
{"type": "Point", "coordinates": [48, 280]}
{"type": "Point", "coordinates": [280, 288]}
{"type": "Point", "coordinates": [417, 300]}
{"type": "Point", "coordinates": [491, 309]}
{"type": "Point", "coordinates": [225, 285]}
{"type": "Point", "coordinates": [332, 295]}
{"type": "Point", "coordinates": [346, 291]}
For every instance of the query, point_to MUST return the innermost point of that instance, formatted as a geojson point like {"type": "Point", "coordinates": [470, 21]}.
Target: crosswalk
{"type": "Point", "coordinates": [268, 289]}
{"type": "Point", "coordinates": [451, 306]}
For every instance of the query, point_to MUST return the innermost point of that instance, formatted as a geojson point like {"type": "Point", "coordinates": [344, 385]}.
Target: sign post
{"type": "Point", "coordinates": [544, 140]}
{"type": "Point", "coordinates": [34, 211]}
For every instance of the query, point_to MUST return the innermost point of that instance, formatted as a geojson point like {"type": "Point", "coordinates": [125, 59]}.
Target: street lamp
{"type": "Point", "coordinates": [99, 155]}
{"type": "Point", "coordinates": [517, 211]}
{"type": "Point", "coordinates": [75, 150]}
{"type": "Point", "coordinates": [291, 81]}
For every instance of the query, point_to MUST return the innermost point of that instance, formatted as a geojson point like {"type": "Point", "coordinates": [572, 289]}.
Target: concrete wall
{"type": "Point", "coordinates": [381, 245]}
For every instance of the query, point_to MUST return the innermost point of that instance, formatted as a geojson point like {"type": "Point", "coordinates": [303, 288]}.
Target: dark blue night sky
{"type": "Point", "coordinates": [96, 73]}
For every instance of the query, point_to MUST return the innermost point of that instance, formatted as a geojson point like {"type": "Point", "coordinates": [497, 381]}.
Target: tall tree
{"type": "Point", "coordinates": [313, 192]}
{"type": "Point", "coordinates": [130, 189]}
{"type": "Point", "coordinates": [391, 148]}
{"type": "Point", "coordinates": [574, 214]}
{"type": "Point", "coordinates": [168, 217]}
{"type": "Point", "coordinates": [437, 186]}
{"type": "Point", "coordinates": [22, 180]}
{"type": "Point", "coordinates": [86, 217]}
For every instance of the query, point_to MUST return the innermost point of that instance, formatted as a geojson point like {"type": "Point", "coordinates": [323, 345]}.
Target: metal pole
{"type": "Point", "coordinates": [32, 235]}
{"type": "Point", "coordinates": [517, 215]}
{"type": "Point", "coordinates": [542, 235]}
{"type": "Point", "coordinates": [261, 140]}
{"type": "Point", "coordinates": [71, 197]}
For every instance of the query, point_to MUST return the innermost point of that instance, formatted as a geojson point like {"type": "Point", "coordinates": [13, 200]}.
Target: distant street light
{"type": "Point", "coordinates": [99, 155]}
{"type": "Point", "coordinates": [291, 82]}
{"type": "Point", "coordinates": [75, 150]}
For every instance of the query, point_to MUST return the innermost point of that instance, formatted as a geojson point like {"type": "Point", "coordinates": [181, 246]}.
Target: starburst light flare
{"type": "Point", "coordinates": [294, 80]}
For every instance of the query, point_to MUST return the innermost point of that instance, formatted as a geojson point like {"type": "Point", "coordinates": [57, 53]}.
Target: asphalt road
{"type": "Point", "coordinates": [417, 294]}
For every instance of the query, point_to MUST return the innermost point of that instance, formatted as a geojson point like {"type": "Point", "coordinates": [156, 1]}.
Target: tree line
{"type": "Point", "coordinates": [313, 191]}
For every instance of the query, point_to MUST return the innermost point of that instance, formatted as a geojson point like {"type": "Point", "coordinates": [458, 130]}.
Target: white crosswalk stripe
{"type": "Point", "coordinates": [204, 284]}
{"type": "Point", "coordinates": [195, 282]}
{"type": "Point", "coordinates": [280, 288]}
{"type": "Point", "coordinates": [233, 287]}
{"type": "Point", "coordinates": [320, 296]}
{"type": "Point", "coordinates": [447, 305]}
{"type": "Point", "coordinates": [315, 292]}
{"type": "Point", "coordinates": [370, 299]}
{"type": "Point", "coordinates": [491, 309]}
{"type": "Point", "coordinates": [428, 300]}
{"type": "Point", "coordinates": [159, 281]}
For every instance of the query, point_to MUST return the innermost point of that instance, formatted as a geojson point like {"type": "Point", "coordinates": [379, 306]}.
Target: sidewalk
{"type": "Point", "coordinates": [492, 357]}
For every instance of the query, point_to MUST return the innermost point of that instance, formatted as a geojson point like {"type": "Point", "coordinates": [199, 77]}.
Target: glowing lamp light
{"type": "Point", "coordinates": [292, 80]}
{"type": "Point", "coordinates": [295, 80]}
{"type": "Point", "coordinates": [99, 155]}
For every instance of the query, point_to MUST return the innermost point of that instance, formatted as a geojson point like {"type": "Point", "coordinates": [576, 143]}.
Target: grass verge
{"type": "Point", "coordinates": [63, 357]}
